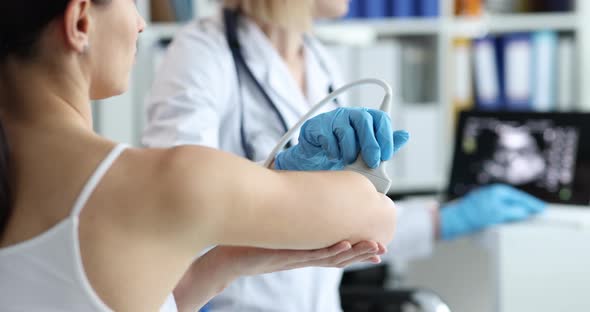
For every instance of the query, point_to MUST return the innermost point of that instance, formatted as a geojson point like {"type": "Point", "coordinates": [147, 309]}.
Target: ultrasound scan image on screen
{"type": "Point", "coordinates": [538, 153]}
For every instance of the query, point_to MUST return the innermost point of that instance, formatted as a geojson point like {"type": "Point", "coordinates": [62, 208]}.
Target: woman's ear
{"type": "Point", "coordinates": [77, 25]}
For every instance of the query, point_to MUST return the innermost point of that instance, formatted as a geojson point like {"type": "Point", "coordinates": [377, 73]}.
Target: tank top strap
{"type": "Point", "coordinates": [100, 171]}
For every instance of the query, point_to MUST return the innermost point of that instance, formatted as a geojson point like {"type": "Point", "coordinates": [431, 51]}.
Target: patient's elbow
{"type": "Point", "coordinates": [384, 220]}
{"type": "Point", "coordinates": [381, 220]}
{"type": "Point", "coordinates": [379, 213]}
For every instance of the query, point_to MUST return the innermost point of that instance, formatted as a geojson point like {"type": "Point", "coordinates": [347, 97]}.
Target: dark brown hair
{"type": "Point", "coordinates": [21, 25]}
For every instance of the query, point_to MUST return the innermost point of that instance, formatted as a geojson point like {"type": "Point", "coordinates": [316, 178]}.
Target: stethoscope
{"type": "Point", "coordinates": [230, 19]}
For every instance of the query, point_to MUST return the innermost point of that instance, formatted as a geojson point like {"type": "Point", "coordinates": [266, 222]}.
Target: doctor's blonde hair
{"type": "Point", "coordinates": [290, 14]}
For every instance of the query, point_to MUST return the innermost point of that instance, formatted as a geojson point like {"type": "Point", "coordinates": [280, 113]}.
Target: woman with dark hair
{"type": "Point", "coordinates": [90, 225]}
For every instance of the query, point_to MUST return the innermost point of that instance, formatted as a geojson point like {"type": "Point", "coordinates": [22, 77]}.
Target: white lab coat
{"type": "Point", "coordinates": [195, 100]}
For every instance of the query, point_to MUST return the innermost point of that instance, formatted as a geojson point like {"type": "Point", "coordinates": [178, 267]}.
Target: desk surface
{"type": "Point", "coordinates": [570, 216]}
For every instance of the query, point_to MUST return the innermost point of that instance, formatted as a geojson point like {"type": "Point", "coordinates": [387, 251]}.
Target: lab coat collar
{"type": "Point", "coordinates": [318, 74]}
{"type": "Point", "coordinates": [255, 55]}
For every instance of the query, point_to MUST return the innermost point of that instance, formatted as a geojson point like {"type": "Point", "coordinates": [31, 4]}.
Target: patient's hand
{"type": "Point", "coordinates": [211, 273]}
{"type": "Point", "coordinates": [253, 261]}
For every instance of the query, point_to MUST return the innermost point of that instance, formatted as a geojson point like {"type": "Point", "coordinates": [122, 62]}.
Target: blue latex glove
{"type": "Point", "coordinates": [333, 140]}
{"type": "Point", "coordinates": [485, 207]}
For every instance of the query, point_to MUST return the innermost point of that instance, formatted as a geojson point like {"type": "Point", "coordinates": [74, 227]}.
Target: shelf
{"type": "Point", "coordinates": [497, 24]}
{"type": "Point", "coordinates": [397, 26]}
{"type": "Point", "coordinates": [365, 31]}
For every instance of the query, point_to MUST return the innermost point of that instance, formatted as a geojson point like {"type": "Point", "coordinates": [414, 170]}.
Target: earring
{"type": "Point", "coordinates": [85, 48]}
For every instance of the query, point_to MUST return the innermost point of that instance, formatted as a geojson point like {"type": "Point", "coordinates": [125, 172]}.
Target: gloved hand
{"type": "Point", "coordinates": [333, 140]}
{"type": "Point", "coordinates": [485, 207]}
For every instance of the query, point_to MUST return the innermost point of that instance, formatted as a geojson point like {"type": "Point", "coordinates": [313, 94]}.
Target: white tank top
{"type": "Point", "coordinates": [46, 273]}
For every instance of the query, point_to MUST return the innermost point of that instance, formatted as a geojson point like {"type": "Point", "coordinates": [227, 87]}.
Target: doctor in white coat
{"type": "Point", "coordinates": [236, 82]}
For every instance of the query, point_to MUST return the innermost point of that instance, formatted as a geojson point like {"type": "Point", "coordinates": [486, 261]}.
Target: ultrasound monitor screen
{"type": "Point", "coordinates": [544, 154]}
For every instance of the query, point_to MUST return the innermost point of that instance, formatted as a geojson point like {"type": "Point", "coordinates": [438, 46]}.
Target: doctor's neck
{"type": "Point", "coordinates": [288, 43]}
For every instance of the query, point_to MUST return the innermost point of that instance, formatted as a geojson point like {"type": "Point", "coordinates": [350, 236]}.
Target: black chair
{"type": "Point", "coordinates": [364, 291]}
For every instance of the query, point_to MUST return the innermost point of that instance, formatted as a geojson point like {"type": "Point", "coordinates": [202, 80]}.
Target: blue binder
{"type": "Point", "coordinates": [558, 5]}
{"type": "Point", "coordinates": [517, 53]}
{"type": "Point", "coordinates": [488, 73]}
{"type": "Point", "coordinates": [428, 8]}
{"type": "Point", "coordinates": [402, 8]}
{"type": "Point", "coordinates": [374, 8]}
{"type": "Point", "coordinates": [544, 62]}
{"type": "Point", "coordinates": [354, 10]}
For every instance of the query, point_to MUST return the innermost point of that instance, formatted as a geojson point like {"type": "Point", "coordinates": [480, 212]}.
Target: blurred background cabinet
{"type": "Point", "coordinates": [539, 265]}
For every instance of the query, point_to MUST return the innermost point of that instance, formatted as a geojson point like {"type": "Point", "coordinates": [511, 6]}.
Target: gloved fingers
{"type": "Point", "coordinates": [529, 202]}
{"type": "Point", "coordinates": [514, 213]}
{"type": "Point", "coordinates": [362, 122]}
{"type": "Point", "coordinates": [314, 135]}
{"type": "Point", "coordinates": [329, 143]}
{"type": "Point", "coordinates": [513, 196]}
{"type": "Point", "coordinates": [383, 132]}
{"type": "Point", "coordinates": [400, 138]}
{"type": "Point", "coordinates": [348, 144]}
{"type": "Point", "coordinates": [279, 161]}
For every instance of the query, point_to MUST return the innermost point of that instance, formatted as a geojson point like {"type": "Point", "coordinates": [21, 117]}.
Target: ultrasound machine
{"type": "Point", "coordinates": [540, 264]}
{"type": "Point", "coordinates": [544, 154]}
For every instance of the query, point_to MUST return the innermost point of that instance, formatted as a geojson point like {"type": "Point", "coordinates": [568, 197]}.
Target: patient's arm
{"type": "Point", "coordinates": [222, 199]}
